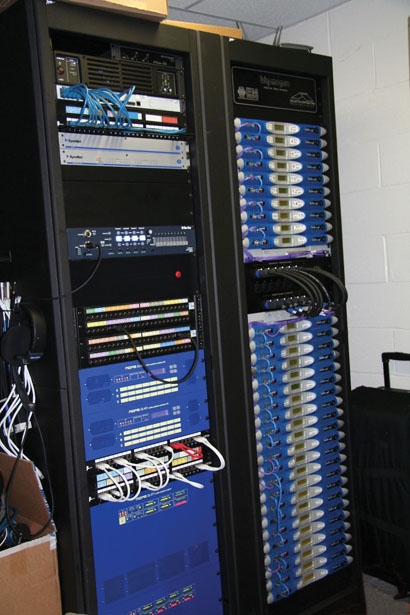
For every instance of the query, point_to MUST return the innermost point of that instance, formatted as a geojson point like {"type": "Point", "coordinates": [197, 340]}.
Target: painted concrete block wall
{"type": "Point", "coordinates": [368, 40]}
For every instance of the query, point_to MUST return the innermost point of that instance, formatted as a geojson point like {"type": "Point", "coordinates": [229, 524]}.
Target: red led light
{"type": "Point", "coordinates": [178, 274]}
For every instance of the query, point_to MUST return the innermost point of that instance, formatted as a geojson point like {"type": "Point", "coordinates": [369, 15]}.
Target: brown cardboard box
{"type": "Point", "coordinates": [155, 10]}
{"type": "Point", "coordinates": [222, 31]}
{"type": "Point", "coordinates": [29, 572]}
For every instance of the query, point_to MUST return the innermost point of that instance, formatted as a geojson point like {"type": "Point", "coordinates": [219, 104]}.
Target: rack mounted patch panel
{"type": "Point", "coordinates": [106, 333]}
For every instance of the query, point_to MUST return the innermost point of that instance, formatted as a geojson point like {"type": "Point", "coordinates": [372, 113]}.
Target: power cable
{"type": "Point", "coordinates": [151, 373]}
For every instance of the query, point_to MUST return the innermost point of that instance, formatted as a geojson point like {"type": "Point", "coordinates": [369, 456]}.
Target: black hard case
{"type": "Point", "coordinates": [380, 424]}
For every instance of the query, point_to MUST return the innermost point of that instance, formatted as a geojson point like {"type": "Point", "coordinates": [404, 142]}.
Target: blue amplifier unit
{"type": "Point", "coordinates": [273, 161]}
{"type": "Point", "coordinates": [124, 408]}
{"type": "Point", "coordinates": [158, 554]}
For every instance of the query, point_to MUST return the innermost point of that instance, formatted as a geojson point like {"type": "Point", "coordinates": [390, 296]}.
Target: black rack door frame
{"type": "Point", "coordinates": [42, 200]}
{"type": "Point", "coordinates": [344, 588]}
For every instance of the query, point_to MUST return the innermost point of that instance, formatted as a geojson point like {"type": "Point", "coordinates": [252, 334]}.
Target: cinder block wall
{"type": "Point", "coordinates": [368, 40]}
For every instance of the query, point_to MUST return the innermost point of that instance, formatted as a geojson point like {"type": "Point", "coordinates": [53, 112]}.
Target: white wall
{"type": "Point", "coordinates": [368, 40]}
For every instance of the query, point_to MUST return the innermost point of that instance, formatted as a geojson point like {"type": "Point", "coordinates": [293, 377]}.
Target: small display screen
{"type": "Point", "coordinates": [295, 387]}
{"type": "Point", "coordinates": [293, 349]}
{"type": "Point", "coordinates": [307, 553]}
{"type": "Point", "coordinates": [305, 530]}
{"type": "Point", "coordinates": [304, 506]}
{"type": "Point", "coordinates": [280, 152]}
{"type": "Point", "coordinates": [294, 363]}
{"type": "Point", "coordinates": [283, 190]}
{"type": "Point", "coordinates": [286, 240]}
{"type": "Point", "coordinates": [281, 165]}
{"type": "Point", "coordinates": [279, 127]}
{"type": "Point", "coordinates": [307, 566]}
{"type": "Point", "coordinates": [300, 459]}
{"type": "Point", "coordinates": [303, 482]}
{"type": "Point", "coordinates": [304, 518]}
{"type": "Point", "coordinates": [296, 398]}
{"type": "Point", "coordinates": [291, 326]}
{"type": "Point", "coordinates": [302, 494]}
{"type": "Point", "coordinates": [309, 577]}
{"type": "Point", "coordinates": [283, 215]}
{"type": "Point", "coordinates": [298, 423]}
{"type": "Point", "coordinates": [301, 471]}
{"type": "Point", "coordinates": [280, 140]}
{"type": "Point", "coordinates": [300, 446]}
{"type": "Point", "coordinates": [305, 542]}
{"type": "Point", "coordinates": [282, 178]}
{"type": "Point", "coordinates": [291, 338]}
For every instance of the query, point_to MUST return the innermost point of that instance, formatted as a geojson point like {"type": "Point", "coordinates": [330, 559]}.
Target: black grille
{"type": "Point", "coordinates": [119, 76]}
{"type": "Point", "coordinates": [140, 76]}
{"type": "Point", "coordinates": [103, 73]}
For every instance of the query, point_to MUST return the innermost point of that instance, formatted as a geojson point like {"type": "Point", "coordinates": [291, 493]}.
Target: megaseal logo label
{"type": "Point", "coordinates": [273, 83]}
{"type": "Point", "coordinates": [247, 93]}
{"type": "Point", "coordinates": [274, 90]}
{"type": "Point", "coordinates": [302, 100]}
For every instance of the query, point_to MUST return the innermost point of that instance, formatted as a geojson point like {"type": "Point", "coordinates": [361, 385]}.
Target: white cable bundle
{"type": "Point", "coordinates": [9, 410]}
{"type": "Point", "coordinates": [12, 404]}
{"type": "Point", "coordinates": [159, 466]}
{"type": "Point", "coordinates": [204, 466]}
{"type": "Point", "coordinates": [109, 471]}
{"type": "Point", "coordinates": [161, 469]}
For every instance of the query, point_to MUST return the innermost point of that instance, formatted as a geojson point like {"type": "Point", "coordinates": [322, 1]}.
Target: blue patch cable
{"type": "Point", "coordinates": [259, 152]}
{"type": "Point", "coordinates": [245, 137]}
{"type": "Point", "coordinates": [279, 166]}
{"type": "Point", "coordinates": [283, 205]}
{"type": "Point", "coordinates": [103, 108]}
{"type": "Point", "coordinates": [279, 128]}
{"type": "Point", "coordinates": [259, 179]}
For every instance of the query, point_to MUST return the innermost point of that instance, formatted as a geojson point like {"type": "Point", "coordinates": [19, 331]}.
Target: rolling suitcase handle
{"type": "Point", "coordinates": [391, 356]}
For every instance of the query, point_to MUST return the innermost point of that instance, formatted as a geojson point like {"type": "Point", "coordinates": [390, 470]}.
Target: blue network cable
{"type": "Point", "coordinates": [105, 108]}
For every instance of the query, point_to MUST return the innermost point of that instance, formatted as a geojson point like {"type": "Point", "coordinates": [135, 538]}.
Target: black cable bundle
{"type": "Point", "coordinates": [308, 280]}
{"type": "Point", "coordinates": [150, 373]}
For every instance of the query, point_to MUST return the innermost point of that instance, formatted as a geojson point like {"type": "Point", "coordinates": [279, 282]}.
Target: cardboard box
{"type": "Point", "coordinates": [154, 10]}
{"type": "Point", "coordinates": [29, 572]}
{"type": "Point", "coordinates": [222, 31]}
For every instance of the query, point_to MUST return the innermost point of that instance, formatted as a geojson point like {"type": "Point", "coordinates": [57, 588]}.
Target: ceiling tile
{"type": "Point", "coordinates": [181, 4]}
{"type": "Point", "coordinates": [267, 13]}
{"type": "Point", "coordinates": [255, 33]}
{"type": "Point", "coordinates": [252, 32]}
{"type": "Point", "coordinates": [180, 15]}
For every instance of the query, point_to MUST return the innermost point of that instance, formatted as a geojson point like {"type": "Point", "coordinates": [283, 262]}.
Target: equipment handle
{"type": "Point", "coordinates": [391, 356]}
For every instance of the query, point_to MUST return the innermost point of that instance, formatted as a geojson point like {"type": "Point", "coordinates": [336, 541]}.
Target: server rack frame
{"type": "Point", "coordinates": [342, 592]}
{"type": "Point", "coordinates": [36, 258]}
